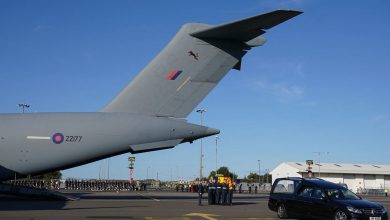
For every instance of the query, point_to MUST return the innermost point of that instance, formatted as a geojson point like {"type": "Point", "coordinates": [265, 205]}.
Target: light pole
{"type": "Point", "coordinates": [259, 161]}
{"type": "Point", "coordinates": [131, 168]}
{"type": "Point", "coordinates": [267, 177]}
{"type": "Point", "coordinates": [147, 172]}
{"type": "Point", "coordinates": [201, 111]}
{"type": "Point", "coordinates": [108, 168]}
{"type": "Point", "coordinates": [319, 162]}
{"type": "Point", "coordinates": [177, 172]}
{"type": "Point", "coordinates": [216, 153]}
{"type": "Point", "coordinates": [23, 106]}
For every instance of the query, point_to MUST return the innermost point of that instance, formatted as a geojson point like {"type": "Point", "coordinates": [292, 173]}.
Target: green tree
{"type": "Point", "coordinates": [48, 176]}
{"type": "Point", "coordinates": [254, 177]}
{"type": "Point", "coordinates": [212, 173]}
{"type": "Point", "coordinates": [267, 178]}
{"type": "Point", "coordinates": [225, 172]}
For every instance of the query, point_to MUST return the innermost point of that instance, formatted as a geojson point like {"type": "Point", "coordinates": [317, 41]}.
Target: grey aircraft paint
{"type": "Point", "coordinates": [147, 115]}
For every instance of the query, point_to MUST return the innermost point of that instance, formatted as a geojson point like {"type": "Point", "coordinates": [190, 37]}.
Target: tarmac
{"type": "Point", "coordinates": [141, 205]}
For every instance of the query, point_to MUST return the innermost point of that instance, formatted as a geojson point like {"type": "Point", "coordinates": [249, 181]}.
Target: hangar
{"type": "Point", "coordinates": [358, 177]}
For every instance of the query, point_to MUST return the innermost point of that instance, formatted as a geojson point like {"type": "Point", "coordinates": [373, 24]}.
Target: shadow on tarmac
{"type": "Point", "coordinates": [25, 203]}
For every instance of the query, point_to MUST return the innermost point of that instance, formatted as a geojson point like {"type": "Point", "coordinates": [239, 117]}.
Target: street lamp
{"type": "Point", "coordinates": [319, 162]}
{"type": "Point", "coordinates": [267, 172]}
{"type": "Point", "coordinates": [131, 168]}
{"type": "Point", "coordinates": [108, 168]}
{"type": "Point", "coordinates": [259, 161]}
{"type": "Point", "coordinates": [23, 106]}
{"type": "Point", "coordinates": [147, 172]}
{"type": "Point", "coordinates": [216, 153]}
{"type": "Point", "coordinates": [201, 111]}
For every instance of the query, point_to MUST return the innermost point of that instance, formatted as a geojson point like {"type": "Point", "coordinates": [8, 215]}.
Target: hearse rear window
{"type": "Point", "coordinates": [284, 186]}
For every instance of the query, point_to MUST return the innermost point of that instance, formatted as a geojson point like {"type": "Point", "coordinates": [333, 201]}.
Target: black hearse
{"type": "Point", "coordinates": [315, 198]}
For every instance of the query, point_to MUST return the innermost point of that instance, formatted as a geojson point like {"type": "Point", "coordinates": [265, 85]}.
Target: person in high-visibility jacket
{"type": "Point", "coordinates": [231, 189]}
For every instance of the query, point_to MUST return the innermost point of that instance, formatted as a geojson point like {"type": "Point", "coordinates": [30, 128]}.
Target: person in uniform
{"type": "Point", "coordinates": [218, 192]}
{"type": "Point", "coordinates": [224, 193]}
{"type": "Point", "coordinates": [211, 192]}
{"type": "Point", "coordinates": [200, 193]}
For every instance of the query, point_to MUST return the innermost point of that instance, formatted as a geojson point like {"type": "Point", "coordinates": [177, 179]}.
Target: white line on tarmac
{"type": "Point", "coordinates": [149, 197]}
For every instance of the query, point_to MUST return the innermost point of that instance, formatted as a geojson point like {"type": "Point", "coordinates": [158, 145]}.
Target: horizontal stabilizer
{"type": "Point", "coordinates": [248, 28]}
{"type": "Point", "coordinates": [154, 146]}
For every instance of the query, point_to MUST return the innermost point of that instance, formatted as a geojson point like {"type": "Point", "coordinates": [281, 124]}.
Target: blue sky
{"type": "Point", "coordinates": [321, 83]}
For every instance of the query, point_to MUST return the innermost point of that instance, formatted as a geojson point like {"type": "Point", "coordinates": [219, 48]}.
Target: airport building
{"type": "Point", "coordinates": [358, 177]}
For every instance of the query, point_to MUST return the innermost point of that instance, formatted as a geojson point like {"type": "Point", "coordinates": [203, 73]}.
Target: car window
{"type": "Point", "coordinates": [311, 192]}
{"type": "Point", "coordinates": [317, 193]}
{"type": "Point", "coordinates": [341, 194]}
{"type": "Point", "coordinates": [284, 186]}
{"type": "Point", "coordinates": [305, 192]}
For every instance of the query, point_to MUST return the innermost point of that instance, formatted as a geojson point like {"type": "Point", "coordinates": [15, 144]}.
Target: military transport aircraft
{"type": "Point", "coordinates": [147, 115]}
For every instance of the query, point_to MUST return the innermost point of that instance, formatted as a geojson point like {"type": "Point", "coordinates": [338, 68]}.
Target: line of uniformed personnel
{"type": "Point", "coordinates": [220, 191]}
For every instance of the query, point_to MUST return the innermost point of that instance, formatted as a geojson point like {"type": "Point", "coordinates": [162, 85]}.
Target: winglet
{"type": "Point", "coordinates": [246, 29]}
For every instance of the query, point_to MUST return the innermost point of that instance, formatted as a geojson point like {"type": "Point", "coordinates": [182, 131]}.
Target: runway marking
{"type": "Point", "coordinates": [203, 215]}
{"type": "Point", "coordinates": [149, 197]}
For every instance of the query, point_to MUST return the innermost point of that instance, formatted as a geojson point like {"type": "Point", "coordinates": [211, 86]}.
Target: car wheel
{"type": "Point", "coordinates": [340, 215]}
{"type": "Point", "coordinates": [282, 213]}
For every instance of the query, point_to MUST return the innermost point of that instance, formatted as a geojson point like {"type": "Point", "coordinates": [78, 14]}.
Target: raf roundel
{"type": "Point", "coordinates": [58, 138]}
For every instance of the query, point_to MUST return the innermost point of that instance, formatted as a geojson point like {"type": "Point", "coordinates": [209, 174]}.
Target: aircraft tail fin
{"type": "Point", "coordinates": [191, 65]}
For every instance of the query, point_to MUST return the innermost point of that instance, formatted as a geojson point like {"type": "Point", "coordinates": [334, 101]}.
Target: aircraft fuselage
{"type": "Point", "coordinates": [39, 142]}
